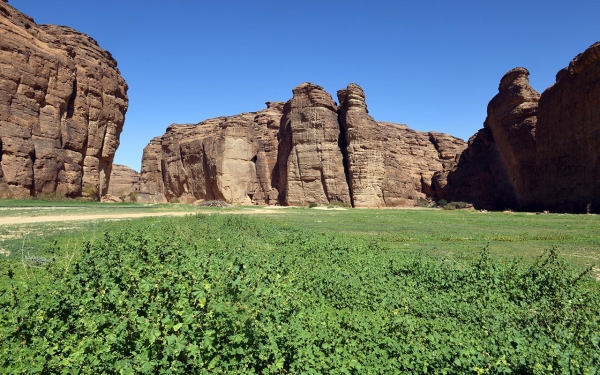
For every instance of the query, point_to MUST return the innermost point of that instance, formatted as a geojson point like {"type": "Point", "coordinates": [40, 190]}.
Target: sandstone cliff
{"type": "Point", "coordinates": [305, 151]}
{"type": "Point", "coordinates": [62, 108]}
{"type": "Point", "coordinates": [123, 181]}
{"type": "Point", "coordinates": [537, 152]}
{"type": "Point", "coordinates": [226, 158]}
{"type": "Point", "coordinates": [310, 161]}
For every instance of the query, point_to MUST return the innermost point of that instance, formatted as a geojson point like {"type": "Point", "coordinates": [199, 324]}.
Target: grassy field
{"type": "Point", "coordinates": [453, 235]}
{"type": "Point", "coordinates": [303, 291]}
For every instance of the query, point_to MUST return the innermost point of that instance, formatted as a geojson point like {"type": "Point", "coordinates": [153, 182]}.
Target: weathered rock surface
{"type": "Point", "coordinates": [364, 149]}
{"type": "Point", "coordinates": [226, 158]}
{"type": "Point", "coordinates": [310, 161]}
{"type": "Point", "coordinates": [305, 151]}
{"type": "Point", "coordinates": [568, 139]}
{"type": "Point", "coordinates": [536, 152]}
{"type": "Point", "coordinates": [123, 181]}
{"type": "Point", "coordinates": [62, 108]}
{"type": "Point", "coordinates": [411, 160]}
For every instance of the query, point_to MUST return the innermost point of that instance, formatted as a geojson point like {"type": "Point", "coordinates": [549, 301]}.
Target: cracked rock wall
{"type": "Point", "coordinates": [62, 108]}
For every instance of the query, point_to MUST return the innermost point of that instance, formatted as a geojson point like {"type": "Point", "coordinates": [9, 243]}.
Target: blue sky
{"type": "Point", "coordinates": [433, 65]}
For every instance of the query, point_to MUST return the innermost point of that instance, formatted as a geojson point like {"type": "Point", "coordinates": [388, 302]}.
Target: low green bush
{"type": "Point", "coordinates": [313, 205]}
{"type": "Point", "coordinates": [236, 295]}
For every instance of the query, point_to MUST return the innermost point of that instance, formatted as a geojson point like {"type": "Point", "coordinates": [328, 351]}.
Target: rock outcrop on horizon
{"type": "Point", "coordinates": [62, 108]}
{"type": "Point", "coordinates": [123, 181]}
{"type": "Point", "coordinates": [225, 158]}
{"type": "Point", "coordinates": [536, 152]}
{"type": "Point", "coordinates": [306, 151]}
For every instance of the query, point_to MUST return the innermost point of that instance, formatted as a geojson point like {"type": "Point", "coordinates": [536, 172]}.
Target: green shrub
{"type": "Point", "coordinates": [236, 295]}
{"type": "Point", "coordinates": [339, 205]}
{"type": "Point", "coordinates": [174, 200]}
{"type": "Point", "coordinates": [441, 203]}
{"type": "Point", "coordinates": [422, 202]}
{"type": "Point", "coordinates": [133, 196]}
{"type": "Point", "coordinates": [313, 205]}
{"type": "Point", "coordinates": [90, 192]}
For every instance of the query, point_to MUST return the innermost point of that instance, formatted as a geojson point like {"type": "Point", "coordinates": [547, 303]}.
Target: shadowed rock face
{"type": "Point", "coordinates": [568, 138]}
{"type": "Point", "coordinates": [305, 151]}
{"type": "Point", "coordinates": [62, 108]}
{"type": "Point", "coordinates": [536, 152]}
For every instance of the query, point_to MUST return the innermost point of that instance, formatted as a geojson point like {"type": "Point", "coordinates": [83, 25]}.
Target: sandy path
{"type": "Point", "coordinates": [113, 216]}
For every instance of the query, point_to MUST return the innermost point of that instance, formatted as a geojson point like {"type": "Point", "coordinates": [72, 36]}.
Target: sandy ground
{"type": "Point", "coordinates": [15, 220]}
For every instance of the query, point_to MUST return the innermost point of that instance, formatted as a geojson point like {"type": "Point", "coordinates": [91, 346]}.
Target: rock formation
{"type": "Point", "coordinates": [305, 151]}
{"type": "Point", "coordinates": [226, 158]}
{"type": "Point", "coordinates": [364, 149]}
{"type": "Point", "coordinates": [310, 161]}
{"type": "Point", "coordinates": [62, 108]}
{"type": "Point", "coordinates": [123, 181]}
{"type": "Point", "coordinates": [537, 152]}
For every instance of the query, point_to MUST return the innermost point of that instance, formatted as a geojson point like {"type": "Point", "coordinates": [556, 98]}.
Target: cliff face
{"type": "Point", "coordinates": [568, 138]}
{"type": "Point", "coordinates": [226, 158]}
{"type": "Point", "coordinates": [537, 152]}
{"type": "Point", "coordinates": [310, 161]}
{"type": "Point", "coordinates": [62, 108]}
{"type": "Point", "coordinates": [305, 151]}
{"type": "Point", "coordinates": [123, 181]}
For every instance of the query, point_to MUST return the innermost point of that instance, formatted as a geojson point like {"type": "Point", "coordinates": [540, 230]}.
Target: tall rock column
{"type": "Point", "coordinates": [310, 161]}
{"type": "Point", "coordinates": [512, 117]}
{"type": "Point", "coordinates": [364, 148]}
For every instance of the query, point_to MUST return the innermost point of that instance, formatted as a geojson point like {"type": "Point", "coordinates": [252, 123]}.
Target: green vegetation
{"type": "Point", "coordinates": [299, 291]}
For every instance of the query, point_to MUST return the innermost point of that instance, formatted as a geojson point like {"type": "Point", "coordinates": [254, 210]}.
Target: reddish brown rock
{"type": "Point", "coordinates": [310, 161]}
{"type": "Point", "coordinates": [62, 108]}
{"type": "Point", "coordinates": [536, 152]}
{"type": "Point", "coordinates": [226, 158]}
{"type": "Point", "coordinates": [568, 139]}
{"type": "Point", "coordinates": [123, 181]}
{"type": "Point", "coordinates": [314, 156]}
{"type": "Point", "coordinates": [411, 160]}
{"type": "Point", "coordinates": [363, 147]}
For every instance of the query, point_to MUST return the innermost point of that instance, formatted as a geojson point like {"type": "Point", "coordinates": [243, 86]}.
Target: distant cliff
{"type": "Point", "coordinates": [308, 150]}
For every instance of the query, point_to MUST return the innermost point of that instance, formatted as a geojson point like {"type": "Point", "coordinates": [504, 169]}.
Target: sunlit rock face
{"type": "Point", "coordinates": [62, 109]}
{"type": "Point", "coordinates": [226, 158]}
{"type": "Point", "coordinates": [307, 150]}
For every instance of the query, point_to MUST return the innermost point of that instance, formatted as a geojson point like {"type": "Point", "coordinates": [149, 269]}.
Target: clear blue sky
{"type": "Point", "coordinates": [433, 65]}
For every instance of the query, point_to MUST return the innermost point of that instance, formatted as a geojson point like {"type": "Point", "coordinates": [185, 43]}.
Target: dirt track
{"type": "Point", "coordinates": [112, 216]}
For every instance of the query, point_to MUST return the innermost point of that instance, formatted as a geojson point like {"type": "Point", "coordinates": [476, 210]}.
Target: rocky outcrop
{"type": "Point", "coordinates": [226, 158]}
{"type": "Point", "coordinates": [536, 152]}
{"type": "Point", "coordinates": [305, 151]}
{"type": "Point", "coordinates": [412, 158]}
{"type": "Point", "coordinates": [362, 140]}
{"type": "Point", "coordinates": [310, 161]}
{"type": "Point", "coordinates": [568, 139]}
{"type": "Point", "coordinates": [62, 108]}
{"type": "Point", "coordinates": [123, 181]}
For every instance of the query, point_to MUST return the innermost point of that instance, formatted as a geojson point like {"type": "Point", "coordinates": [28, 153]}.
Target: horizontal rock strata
{"type": "Point", "coordinates": [62, 108]}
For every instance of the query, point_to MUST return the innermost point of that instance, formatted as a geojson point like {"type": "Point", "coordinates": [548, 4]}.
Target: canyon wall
{"type": "Point", "coordinates": [62, 109]}
{"type": "Point", "coordinates": [536, 152]}
{"type": "Point", "coordinates": [307, 150]}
